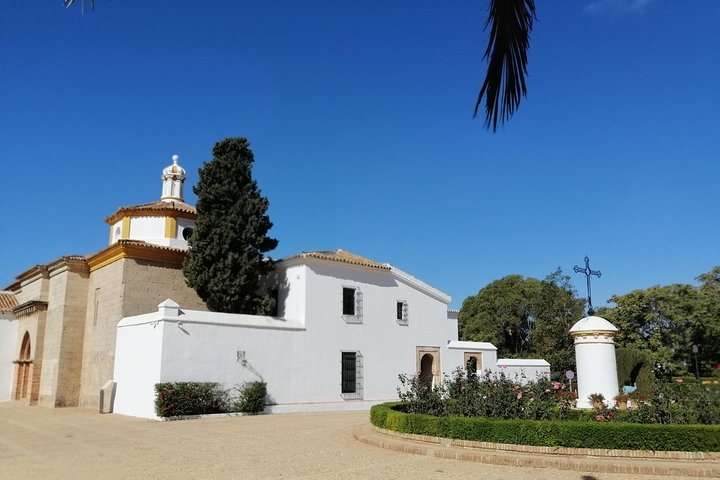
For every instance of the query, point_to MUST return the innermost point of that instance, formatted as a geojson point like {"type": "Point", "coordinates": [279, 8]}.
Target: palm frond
{"type": "Point", "coordinates": [69, 3]}
{"type": "Point", "coordinates": [510, 24]}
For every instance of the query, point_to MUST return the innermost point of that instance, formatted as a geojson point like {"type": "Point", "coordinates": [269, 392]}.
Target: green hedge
{"type": "Point", "coordinates": [554, 433]}
{"type": "Point", "coordinates": [251, 398]}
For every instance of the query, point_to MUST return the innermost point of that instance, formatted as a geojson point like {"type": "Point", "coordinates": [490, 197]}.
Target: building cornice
{"type": "Point", "coordinates": [137, 250]}
{"type": "Point", "coordinates": [156, 209]}
{"type": "Point", "coordinates": [32, 273]}
{"type": "Point", "coordinates": [28, 308]}
{"type": "Point", "coordinates": [72, 263]}
{"type": "Point", "coordinates": [593, 333]}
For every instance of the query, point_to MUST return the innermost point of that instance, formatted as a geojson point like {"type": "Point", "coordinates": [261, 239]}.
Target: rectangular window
{"type": "Point", "coordinates": [401, 312]}
{"type": "Point", "coordinates": [349, 368]}
{"type": "Point", "coordinates": [348, 301]}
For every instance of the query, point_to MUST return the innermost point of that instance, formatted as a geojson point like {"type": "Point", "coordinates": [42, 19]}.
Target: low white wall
{"type": "Point", "coordinates": [138, 353]}
{"type": "Point", "coordinates": [457, 350]}
{"type": "Point", "coordinates": [8, 343]}
{"type": "Point", "coordinates": [523, 370]}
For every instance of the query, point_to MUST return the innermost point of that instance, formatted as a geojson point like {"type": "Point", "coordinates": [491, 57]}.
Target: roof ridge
{"type": "Point", "coordinates": [341, 256]}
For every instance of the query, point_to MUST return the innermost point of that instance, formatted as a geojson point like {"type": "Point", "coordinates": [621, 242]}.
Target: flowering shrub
{"type": "Point", "coordinates": [419, 397]}
{"type": "Point", "coordinates": [488, 395]}
{"type": "Point", "coordinates": [676, 402]}
{"type": "Point", "coordinates": [189, 398]}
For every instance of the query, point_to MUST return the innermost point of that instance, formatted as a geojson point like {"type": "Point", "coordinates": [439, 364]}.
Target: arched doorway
{"type": "Point", "coordinates": [426, 370]}
{"type": "Point", "coordinates": [24, 368]}
{"type": "Point", "coordinates": [471, 365]}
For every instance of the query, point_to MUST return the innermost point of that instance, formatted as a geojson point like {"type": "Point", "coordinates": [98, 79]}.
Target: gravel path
{"type": "Point", "coordinates": [42, 443]}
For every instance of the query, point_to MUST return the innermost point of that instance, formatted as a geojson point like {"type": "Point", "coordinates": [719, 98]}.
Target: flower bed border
{"type": "Point", "coordinates": [552, 433]}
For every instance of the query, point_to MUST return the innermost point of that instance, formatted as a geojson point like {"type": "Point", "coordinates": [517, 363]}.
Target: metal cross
{"type": "Point", "coordinates": [588, 272]}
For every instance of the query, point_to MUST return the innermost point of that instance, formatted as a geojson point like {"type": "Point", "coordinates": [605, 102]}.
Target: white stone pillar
{"type": "Point", "coordinates": [595, 359]}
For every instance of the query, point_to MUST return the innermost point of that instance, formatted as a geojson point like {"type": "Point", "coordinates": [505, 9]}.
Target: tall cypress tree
{"type": "Point", "coordinates": [226, 258]}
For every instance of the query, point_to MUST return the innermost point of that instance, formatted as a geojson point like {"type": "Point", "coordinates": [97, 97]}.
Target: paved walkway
{"type": "Point", "coordinates": [42, 443]}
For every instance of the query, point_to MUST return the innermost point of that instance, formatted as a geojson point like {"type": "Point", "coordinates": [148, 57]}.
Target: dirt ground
{"type": "Point", "coordinates": [42, 443]}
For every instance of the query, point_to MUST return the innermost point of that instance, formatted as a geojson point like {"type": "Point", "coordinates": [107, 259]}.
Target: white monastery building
{"type": "Point", "coordinates": [124, 318]}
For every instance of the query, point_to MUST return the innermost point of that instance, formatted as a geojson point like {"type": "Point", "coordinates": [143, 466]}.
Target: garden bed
{"type": "Point", "coordinates": [552, 433]}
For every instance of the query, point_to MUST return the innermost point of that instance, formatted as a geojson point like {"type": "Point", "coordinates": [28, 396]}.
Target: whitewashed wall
{"type": "Point", "coordinates": [138, 364]}
{"type": "Point", "coordinates": [486, 351]}
{"type": "Point", "coordinates": [523, 370]}
{"type": "Point", "coordinates": [297, 354]}
{"type": "Point", "coordinates": [387, 347]}
{"type": "Point", "coordinates": [8, 344]}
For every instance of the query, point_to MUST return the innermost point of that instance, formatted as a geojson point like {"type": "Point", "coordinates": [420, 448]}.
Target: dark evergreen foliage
{"type": "Point", "coordinates": [226, 259]}
{"type": "Point", "coordinates": [635, 367]}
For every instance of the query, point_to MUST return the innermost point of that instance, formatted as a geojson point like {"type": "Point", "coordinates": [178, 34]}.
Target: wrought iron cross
{"type": "Point", "coordinates": [587, 271]}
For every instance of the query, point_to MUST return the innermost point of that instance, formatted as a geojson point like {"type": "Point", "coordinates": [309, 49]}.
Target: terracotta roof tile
{"type": "Point", "coordinates": [343, 257]}
{"type": "Point", "coordinates": [143, 243]}
{"type": "Point", "coordinates": [7, 301]}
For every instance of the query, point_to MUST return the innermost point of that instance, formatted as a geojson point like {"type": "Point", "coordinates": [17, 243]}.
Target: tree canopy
{"type": "Point", "coordinates": [522, 316]}
{"type": "Point", "coordinates": [226, 258]}
{"type": "Point", "coordinates": [668, 320]}
{"type": "Point", "coordinates": [529, 317]}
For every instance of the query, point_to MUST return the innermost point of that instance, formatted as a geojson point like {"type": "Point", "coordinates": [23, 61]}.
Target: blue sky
{"type": "Point", "coordinates": [360, 118]}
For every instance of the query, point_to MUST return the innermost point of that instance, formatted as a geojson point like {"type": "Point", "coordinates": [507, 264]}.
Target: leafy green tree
{"type": "Point", "coordinates": [658, 320]}
{"type": "Point", "coordinates": [706, 322]}
{"type": "Point", "coordinates": [522, 316]}
{"type": "Point", "coordinates": [226, 258]}
{"type": "Point", "coordinates": [557, 308]}
{"type": "Point", "coordinates": [501, 314]}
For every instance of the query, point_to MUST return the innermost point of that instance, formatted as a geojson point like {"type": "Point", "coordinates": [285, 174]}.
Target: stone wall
{"type": "Point", "coordinates": [30, 321]}
{"type": "Point", "coordinates": [65, 328]}
{"type": "Point", "coordinates": [103, 311]}
{"type": "Point", "coordinates": [124, 288]}
{"type": "Point", "coordinates": [147, 284]}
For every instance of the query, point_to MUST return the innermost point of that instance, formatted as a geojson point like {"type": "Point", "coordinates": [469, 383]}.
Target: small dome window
{"type": "Point", "coordinates": [187, 233]}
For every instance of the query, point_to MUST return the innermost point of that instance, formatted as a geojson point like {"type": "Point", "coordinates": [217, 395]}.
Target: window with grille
{"type": "Point", "coordinates": [352, 305]}
{"type": "Point", "coordinates": [349, 367]}
{"type": "Point", "coordinates": [401, 312]}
